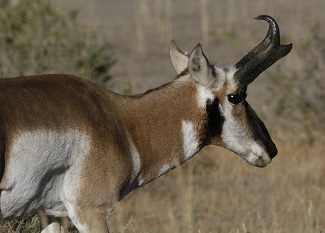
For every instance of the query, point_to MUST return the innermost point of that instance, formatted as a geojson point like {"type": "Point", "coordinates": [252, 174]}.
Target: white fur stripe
{"type": "Point", "coordinates": [140, 180]}
{"type": "Point", "coordinates": [135, 159]}
{"type": "Point", "coordinates": [190, 143]}
{"type": "Point", "coordinates": [203, 95]}
{"type": "Point", "coordinates": [230, 76]}
{"type": "Point", "coordinates": [166, 168]}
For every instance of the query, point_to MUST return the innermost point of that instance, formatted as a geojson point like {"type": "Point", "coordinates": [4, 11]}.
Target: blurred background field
{"type": "Point", "coordinates": [124, 45]}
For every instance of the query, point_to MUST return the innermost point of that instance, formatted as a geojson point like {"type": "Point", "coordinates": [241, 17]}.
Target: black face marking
{"type": "Point", "coordinates": [215, 119]}
{"type": "Point", "coordinates": [260, 131]}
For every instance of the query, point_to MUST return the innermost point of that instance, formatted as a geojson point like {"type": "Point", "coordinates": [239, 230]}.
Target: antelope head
{"type": "Point", "coordinates": [232, 123]}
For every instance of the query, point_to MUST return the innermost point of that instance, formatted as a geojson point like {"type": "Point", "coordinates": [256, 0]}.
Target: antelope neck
{"type": "Point", "coordinates": [165, 127]}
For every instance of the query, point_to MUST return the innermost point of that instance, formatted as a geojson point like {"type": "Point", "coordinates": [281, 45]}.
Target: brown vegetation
{"type": "Point", "coordinates": [218, 192]}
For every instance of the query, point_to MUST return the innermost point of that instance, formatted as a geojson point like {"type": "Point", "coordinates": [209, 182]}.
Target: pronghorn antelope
{"type": "Point", "coordinates": [72, 148]}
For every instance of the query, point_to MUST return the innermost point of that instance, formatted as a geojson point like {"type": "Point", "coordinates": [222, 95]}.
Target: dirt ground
{"type": "Point", "coordinates": [216, 191]}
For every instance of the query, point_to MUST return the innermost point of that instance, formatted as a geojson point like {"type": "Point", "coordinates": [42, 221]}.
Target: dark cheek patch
{"type": "Point", "coordinates": [215, 119]}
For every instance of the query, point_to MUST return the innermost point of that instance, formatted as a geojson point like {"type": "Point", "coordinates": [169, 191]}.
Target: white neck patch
{"type": "Point", "coordinates": [190, 142]}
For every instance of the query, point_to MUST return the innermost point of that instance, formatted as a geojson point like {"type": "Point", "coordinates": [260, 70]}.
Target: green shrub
{"type": "Point", "coordinates": [27, 225]}
{"type": "Point", "coordinates": [35, 38]}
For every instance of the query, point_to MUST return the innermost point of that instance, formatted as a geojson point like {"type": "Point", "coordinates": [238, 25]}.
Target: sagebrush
{"type": "Point", "coordinates": [36, 38]}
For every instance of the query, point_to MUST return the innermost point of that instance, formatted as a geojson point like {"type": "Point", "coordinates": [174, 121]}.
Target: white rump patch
{"type": "Point", "coordinates": [190, 142]}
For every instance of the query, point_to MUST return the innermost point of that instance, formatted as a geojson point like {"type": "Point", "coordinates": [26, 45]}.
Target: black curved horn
{"type": "Point", "coordinates": [262, 56]}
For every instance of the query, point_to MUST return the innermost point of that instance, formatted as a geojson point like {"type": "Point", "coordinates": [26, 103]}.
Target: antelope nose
{"type": "Point", "coordinates": [272, 151]}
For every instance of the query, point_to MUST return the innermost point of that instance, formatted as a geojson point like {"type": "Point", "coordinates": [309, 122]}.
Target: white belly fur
{"type": "Point", "coordinates": [44, 170]}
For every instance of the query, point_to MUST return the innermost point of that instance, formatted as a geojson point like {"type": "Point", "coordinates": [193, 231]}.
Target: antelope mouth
{"type": "Point", "coordinates": [258, 160]}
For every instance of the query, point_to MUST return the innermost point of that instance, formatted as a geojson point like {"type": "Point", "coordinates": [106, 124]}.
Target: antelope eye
{"type": "Point", "coordinates": [235, 98]}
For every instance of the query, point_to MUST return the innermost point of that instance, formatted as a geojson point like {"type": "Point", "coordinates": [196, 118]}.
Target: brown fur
{"type": "Point", "coordinates": [151, 121]}
{"type": "Point", "coordinates": [159, 112]}
{"type": "Point", "coordinates": [60, 102]}
{"type": "Point", "coordinates": [53, 102]}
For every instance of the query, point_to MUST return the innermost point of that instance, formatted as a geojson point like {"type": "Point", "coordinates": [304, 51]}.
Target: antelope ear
{"type": "Point", "coordinates": [200, 68]}
{"type": "Point", "coordinates": [179, 59]}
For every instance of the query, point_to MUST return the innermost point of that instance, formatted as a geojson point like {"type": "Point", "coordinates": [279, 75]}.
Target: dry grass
{"type": "Point", "coordinates": [218, 192]}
